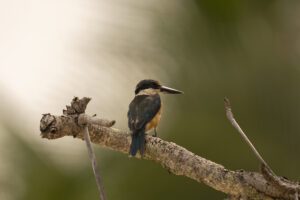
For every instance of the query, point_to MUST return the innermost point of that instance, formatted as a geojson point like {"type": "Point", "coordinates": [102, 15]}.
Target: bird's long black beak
{"type": "Point", "coordinates": [168, 90]}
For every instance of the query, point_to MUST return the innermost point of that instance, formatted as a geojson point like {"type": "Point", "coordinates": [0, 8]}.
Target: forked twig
{"type": "Point", "coordinates": [77, 111]}
{"type": "Point", "coordinates": [282, 184]}
{"type": "Point", "coordinates": [234, 123]}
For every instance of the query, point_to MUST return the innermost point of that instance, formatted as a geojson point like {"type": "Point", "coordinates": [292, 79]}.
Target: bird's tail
{"type": "Point", "coordinates": [137, 142]}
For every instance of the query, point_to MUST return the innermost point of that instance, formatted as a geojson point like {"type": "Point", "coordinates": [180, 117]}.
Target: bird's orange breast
{"type": "Point", "coordinates": [154, 122]}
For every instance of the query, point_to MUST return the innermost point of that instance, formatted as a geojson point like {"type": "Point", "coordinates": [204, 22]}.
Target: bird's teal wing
{"type": "Point", "coordinates": [142, 109]}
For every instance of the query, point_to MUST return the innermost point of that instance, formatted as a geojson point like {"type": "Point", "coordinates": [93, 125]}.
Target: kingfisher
{"type": "Point", "coordinates": [145, 112]}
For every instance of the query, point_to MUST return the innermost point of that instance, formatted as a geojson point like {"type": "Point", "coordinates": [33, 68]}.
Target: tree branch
{"type": "Point", "coordinates": [238, 184]}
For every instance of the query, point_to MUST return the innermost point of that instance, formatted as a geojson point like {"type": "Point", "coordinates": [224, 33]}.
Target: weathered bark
{"type": "Point", "coordinates": [176, 159]}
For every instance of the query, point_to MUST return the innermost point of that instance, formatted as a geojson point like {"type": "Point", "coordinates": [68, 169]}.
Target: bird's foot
{"type": "Point", "coordinates": [155, 133]}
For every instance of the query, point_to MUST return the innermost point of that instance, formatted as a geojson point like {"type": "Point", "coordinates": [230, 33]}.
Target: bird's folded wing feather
{"type": "Point", "coordinates": [141, 110]}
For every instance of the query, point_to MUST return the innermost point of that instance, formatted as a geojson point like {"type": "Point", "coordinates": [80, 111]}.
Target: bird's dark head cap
{"type": "Point", "coordinates": [147, 84]}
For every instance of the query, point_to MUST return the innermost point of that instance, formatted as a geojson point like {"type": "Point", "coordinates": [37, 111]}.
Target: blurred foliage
{"type": "Point", "coordinates": [245, 50]}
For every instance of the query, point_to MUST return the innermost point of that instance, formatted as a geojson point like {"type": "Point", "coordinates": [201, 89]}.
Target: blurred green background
{"type": "Point", "coordinates": [51, 51]}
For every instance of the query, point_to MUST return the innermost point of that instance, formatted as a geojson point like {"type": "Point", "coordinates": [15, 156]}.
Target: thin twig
{"type": "Point", "coordinates": [234, 123]}
{"type": "Point", "coordinates": [94, 163]}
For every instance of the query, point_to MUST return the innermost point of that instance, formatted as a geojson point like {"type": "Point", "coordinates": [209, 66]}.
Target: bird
{"type": "Point", "coordinates": [145, 112]}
